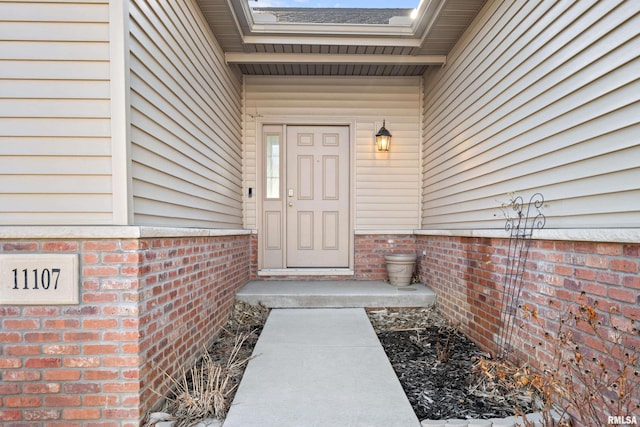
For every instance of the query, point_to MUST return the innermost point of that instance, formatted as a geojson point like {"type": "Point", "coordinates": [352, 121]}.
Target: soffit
{"type": "Point", "coordinates": [289, 48]}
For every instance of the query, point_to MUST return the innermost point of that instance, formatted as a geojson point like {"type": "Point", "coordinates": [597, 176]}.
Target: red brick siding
{"type": "Point", "coordinates": [370, 250]}
{"type": "Point", "coordinates": [145, 305]}
{"type": "Point", "coordinates": [185, 299]}
{"type": "Point", "coordinates": [467, 275]}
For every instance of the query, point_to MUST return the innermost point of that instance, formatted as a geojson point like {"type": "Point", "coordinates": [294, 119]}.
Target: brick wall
{"type": "Point", "coordinates": [370, 250]}
{"type": "Point", "coordinates": [467, 275]}
{"type": "Point", "coordinates": [146, 305]}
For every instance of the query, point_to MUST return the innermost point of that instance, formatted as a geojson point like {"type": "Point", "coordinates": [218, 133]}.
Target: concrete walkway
{"type": "Point", "coordinates": [321, 367]}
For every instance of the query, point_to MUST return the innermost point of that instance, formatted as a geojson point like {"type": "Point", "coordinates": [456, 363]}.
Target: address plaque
{"type": "Point", "coordinates": [39, 279]}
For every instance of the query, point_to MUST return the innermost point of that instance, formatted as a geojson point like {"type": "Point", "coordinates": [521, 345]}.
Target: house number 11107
{"type": "Point", "coordinates": [39, 279]}
{"type": "Point", "coordinates": [44, 278]}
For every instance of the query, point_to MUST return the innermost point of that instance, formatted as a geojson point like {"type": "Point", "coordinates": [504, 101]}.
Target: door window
{"type": "Point", "coordinates": [273, 166]}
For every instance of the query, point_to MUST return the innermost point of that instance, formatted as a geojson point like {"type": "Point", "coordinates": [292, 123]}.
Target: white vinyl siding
{"type": "Point", "coordinates": [185, 120]}
{"type": "Point", "coordinates": [537, 97]}
{"type": "Point", "coordinates": [55, 147]}
{"type": "Point", "coordinates": [387, 185]}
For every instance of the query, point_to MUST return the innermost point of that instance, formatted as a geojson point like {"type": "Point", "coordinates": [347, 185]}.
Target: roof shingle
{"type": "Point", "coordinates": [332, 15]}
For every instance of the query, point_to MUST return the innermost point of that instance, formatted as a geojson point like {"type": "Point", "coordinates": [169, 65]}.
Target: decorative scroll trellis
{"type": "Point", "coordinates": [528, 217]}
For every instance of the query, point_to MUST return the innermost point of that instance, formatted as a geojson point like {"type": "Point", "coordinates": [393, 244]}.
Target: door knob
{"type": "Point", "coordinates": [290, 204]}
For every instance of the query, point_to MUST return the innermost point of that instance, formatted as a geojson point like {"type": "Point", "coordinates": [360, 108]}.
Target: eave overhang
{"type": "Point", "coordinates": [310, 58]}
{"type": "Point", "coordinates": [401, 48]}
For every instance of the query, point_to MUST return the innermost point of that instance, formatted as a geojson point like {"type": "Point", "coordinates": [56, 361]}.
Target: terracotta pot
{"type": "Point", "coordinates": [400, 268]}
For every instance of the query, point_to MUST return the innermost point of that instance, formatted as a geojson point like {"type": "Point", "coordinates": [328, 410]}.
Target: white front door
{"type": "Point", "coordinates": [317, 196]}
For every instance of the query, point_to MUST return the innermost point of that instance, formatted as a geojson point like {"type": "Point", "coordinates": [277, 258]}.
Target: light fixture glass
{"type": "Point", "coordinates": [383, 138]}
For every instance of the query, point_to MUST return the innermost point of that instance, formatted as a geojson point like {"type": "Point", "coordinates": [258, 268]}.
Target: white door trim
{"type": "Point", "coordinates": [285, 121]}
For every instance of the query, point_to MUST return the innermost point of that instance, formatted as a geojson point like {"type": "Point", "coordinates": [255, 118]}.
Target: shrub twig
{"type": "Point", "coordinates": [591, 381]}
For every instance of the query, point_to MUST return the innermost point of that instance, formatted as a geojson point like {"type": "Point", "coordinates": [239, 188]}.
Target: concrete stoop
{"type": "Point", "coordinates": [333, 294]}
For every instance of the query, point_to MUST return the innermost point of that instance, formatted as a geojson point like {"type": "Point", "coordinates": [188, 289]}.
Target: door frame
{"type": "Point", "coordinates": [259, 185]}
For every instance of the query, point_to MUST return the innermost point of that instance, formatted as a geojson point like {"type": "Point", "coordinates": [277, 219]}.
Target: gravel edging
{"type": "Point", "coordinates": [535, 418]}
{"type": "Point", "coordinates": [156, 418]}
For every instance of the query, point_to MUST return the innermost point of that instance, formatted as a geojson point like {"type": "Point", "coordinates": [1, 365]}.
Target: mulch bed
{"type": "Point", "coordinates": [435, 365]}
{"type": "Point", "coordinates": [206, 390]}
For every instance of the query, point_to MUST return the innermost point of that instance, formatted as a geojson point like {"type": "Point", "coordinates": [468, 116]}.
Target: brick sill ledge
{"type": "Point", "coordinates": [613, 235]}
{"type": "Point", "coordinates": [111, 232]}
{"type": "Point", "coordinates": [608, 235]}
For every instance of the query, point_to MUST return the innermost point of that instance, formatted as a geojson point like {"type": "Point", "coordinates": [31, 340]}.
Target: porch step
{"type": "Point", "coordinates": [319, 367]}
{"type": "Point", "coordinates": [334, 294]}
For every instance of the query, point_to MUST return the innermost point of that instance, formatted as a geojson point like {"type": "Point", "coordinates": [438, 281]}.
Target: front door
{"type": "Point", "coordinates": [317, 196]}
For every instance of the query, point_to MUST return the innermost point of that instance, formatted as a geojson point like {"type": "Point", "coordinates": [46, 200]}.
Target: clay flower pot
{"type": "Point", "coordinates": [400, 268]}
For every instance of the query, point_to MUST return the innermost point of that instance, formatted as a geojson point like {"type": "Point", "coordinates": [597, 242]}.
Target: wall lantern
{"type": "Point", "coordinates": [383, 138]}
